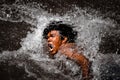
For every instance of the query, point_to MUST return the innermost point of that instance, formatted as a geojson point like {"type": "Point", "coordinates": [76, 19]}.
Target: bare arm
{"type": "Point", "coordinates": [84, 63]}
{"type": "Point", "coordinates": [81, 60]}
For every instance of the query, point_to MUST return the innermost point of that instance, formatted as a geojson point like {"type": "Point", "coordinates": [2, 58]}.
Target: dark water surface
{"type": "Point", "coordinates": [23, 53]}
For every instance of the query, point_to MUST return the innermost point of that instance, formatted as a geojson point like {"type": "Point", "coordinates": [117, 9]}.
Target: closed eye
{"type": "Point", "coordinates": [52, 35]}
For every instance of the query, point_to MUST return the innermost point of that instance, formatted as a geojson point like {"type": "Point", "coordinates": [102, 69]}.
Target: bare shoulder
{"type": "Point", "coordinates": [71, 51]}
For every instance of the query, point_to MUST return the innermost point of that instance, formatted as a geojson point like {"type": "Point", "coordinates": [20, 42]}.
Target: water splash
{"type": "Point", "coordinates": [32, 57]}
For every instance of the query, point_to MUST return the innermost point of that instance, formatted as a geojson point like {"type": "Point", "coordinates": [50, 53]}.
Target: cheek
{"type": "Point", "coordinates": [57, 42]}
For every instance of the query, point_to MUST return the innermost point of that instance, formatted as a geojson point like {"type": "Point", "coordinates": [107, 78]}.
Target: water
{"type": "Point", "coordinates": [31, 61]}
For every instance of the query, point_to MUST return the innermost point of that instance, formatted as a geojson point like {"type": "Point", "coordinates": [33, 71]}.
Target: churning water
{"type": "Point", "coordinates": [31, 61]}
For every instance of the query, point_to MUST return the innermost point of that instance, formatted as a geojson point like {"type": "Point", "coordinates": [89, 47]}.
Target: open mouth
{"type": "Point", "coordinates": [50, 47]}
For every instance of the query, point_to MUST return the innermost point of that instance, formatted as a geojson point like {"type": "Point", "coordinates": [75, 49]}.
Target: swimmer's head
{"type": "Point", "coordinates": [58, 33]}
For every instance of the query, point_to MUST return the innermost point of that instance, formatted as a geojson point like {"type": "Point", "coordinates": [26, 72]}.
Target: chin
{"type": "Point", "coordinates": [52, 53]}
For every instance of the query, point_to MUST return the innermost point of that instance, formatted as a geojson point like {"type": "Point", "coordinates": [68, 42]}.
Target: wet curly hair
{"type": "Point", "coordinates": [65, 30]}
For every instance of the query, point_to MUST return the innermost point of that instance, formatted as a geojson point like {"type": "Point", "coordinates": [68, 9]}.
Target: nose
{"type": "Point", "coordinates": [49, 39]}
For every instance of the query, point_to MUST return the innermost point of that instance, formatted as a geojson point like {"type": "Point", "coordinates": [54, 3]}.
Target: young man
{"type": "Point", "coordinates": [61, 37]}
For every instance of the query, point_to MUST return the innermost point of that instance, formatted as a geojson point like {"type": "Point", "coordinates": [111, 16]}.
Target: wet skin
{"type": "Point", "coordinates": [55, 44]}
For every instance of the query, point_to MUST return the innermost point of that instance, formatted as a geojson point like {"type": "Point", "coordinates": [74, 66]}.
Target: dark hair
{"type": "Point", "coordinates": [64, 29]}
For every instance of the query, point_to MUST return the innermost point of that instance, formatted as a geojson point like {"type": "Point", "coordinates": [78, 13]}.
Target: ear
{"type": "Point", "coordinates": [64, 40]}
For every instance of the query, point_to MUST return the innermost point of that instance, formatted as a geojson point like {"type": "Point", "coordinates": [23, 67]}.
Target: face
{"type": "Point", "coordinates": [54, 41]}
